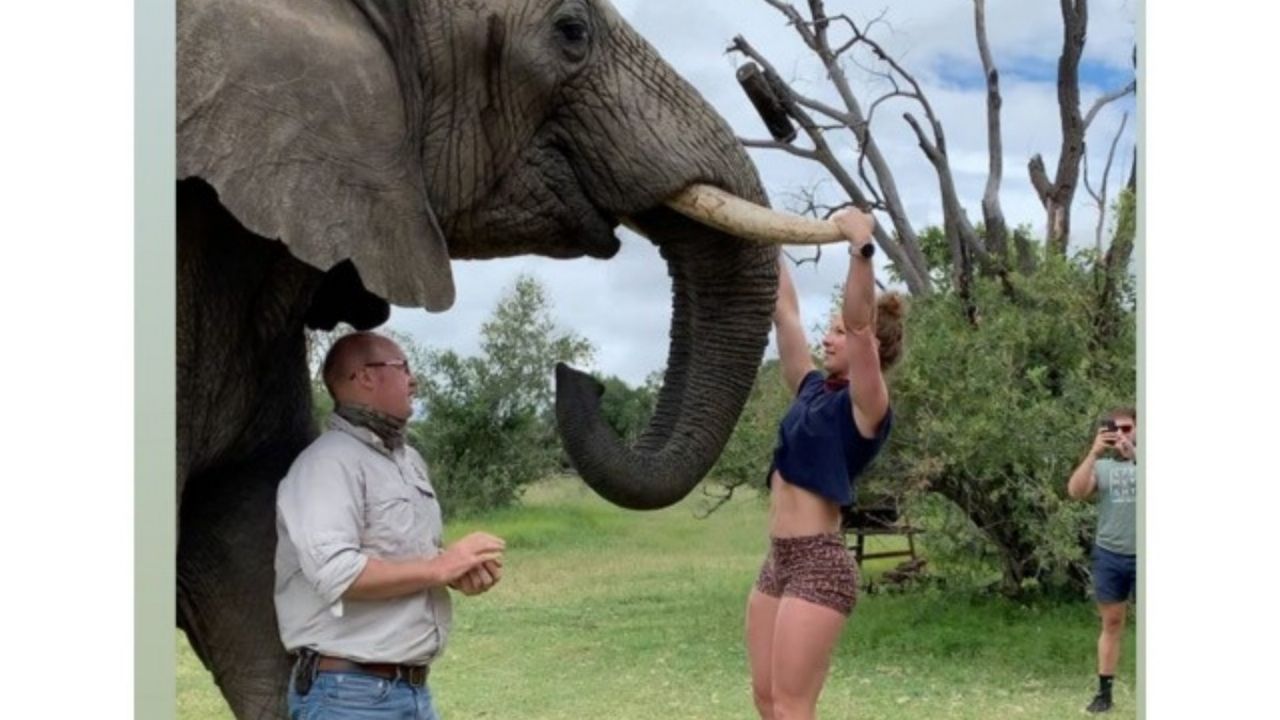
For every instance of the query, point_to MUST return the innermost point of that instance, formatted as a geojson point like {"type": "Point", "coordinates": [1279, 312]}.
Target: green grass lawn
{"type": "Point", "coordinates": [605, 613]}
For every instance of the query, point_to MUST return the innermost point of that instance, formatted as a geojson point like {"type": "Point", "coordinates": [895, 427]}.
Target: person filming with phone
{"type": "Point", "coordinates": [1109, 472]}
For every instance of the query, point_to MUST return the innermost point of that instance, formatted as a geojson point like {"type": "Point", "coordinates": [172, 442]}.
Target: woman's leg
{"type": "Point", "coordinates": [804, 636]}
{"type": "Point", "coordinates": [761, 611]}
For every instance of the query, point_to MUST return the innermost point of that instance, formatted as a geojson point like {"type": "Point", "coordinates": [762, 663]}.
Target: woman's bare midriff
{"type": "Point", "coordinates": [796, 512]}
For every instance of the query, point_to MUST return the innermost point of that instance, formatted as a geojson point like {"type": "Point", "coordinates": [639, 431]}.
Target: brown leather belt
{"type": "Point", "coordinates": [412, 674]}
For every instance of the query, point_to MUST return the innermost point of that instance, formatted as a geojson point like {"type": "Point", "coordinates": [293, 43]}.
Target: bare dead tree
{"type": "Point", "coordinates": [903, 246]}
{"type": "Point", "coordinates": [1115, 264]}
{"type": "Point", "coordinates": [1133, 172]}
{"type": "Point", "coordinates": [997, 231]}
{"type": "Point", "coordinates": [1100, 195]}
{"type": "Point", "coordinates": [879, 184]}
{"type": "Point", "coordinates": [1056, 195]}
{"type": "Point", "coordinates": [1133, 169]}
{"type": "Point", "coordinates": [871, 182]}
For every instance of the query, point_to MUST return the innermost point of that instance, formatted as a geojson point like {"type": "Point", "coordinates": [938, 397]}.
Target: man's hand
{"type": "Point", "coordinates": [382, 579]}
{"type": "Point", "coordinates": [1124, 446]}
{"type": "Point", "coordinates": [480, 579]}
{"type": "Point", "coordinates": [856, 225]}
{"type": "Point", "coordinates": [1103, 441]}
{"type": "Point", "coordinates": [1084, 481]}
{"type": "Point", "coordinates": [476, 550]}
{"type": "Point", "coordinates": [478, 543]}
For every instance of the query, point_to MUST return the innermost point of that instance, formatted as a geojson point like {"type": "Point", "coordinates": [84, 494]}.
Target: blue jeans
{"type": "Point", "coordinates": [339, 695]}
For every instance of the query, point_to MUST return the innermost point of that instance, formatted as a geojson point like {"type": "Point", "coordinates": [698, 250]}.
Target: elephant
{"type": "Point", "coordinates": [334, 157]}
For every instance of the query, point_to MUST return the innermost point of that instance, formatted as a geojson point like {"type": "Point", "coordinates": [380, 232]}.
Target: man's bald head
{"type": "Point", "coordinates": [348, 356]}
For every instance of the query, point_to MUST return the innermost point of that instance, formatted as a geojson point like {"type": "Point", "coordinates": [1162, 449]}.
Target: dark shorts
{"type": "Point", "coordinates": [1115, 576]}
{"type": "Point", "coordinates": [817, 568]}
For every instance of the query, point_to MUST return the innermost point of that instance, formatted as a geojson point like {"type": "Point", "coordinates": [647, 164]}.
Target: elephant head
{"type": "Point", "coordinates": [399, 134]}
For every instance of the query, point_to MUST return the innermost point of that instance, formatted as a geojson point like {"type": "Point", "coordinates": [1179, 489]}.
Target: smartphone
{"type": "Point", "coordinates": [1108, 425]}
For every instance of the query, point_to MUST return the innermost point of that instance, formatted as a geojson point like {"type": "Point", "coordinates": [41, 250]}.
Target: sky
{"type": "Point", "coordinates": [622, 305]}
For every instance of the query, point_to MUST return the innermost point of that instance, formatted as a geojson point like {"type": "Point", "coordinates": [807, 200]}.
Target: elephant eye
{"type": "Point", "coordinates": [574, 34]}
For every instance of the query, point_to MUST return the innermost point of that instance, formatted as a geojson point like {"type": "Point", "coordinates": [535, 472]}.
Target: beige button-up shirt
{"type": "Point", "coordinates": [345, 499]}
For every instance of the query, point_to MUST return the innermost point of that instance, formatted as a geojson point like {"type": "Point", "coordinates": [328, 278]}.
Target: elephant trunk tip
{"type": "Point", "coordinates": [619, 474]}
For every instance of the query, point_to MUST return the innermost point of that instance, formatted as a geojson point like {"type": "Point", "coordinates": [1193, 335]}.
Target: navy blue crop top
{"type": "Point", "coordinates": [819, 446]}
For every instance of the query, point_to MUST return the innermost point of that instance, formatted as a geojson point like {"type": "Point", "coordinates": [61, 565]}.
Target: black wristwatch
{"type": "Point", "coordinates": [868, 249]}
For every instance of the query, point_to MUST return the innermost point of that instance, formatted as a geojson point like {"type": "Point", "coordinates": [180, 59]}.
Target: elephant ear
{"type": "Point", "coordinates": [292, 111]}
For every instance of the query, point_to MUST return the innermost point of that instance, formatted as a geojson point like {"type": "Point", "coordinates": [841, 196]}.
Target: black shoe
{"type": "Point", "coordinates": [1101, 703]}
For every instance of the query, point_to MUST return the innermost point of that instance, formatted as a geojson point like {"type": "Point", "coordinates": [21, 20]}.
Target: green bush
{"type": "Point", "coordinates": [994, 415]}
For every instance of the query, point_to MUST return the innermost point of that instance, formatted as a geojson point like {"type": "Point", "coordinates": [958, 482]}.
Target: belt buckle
{"type": "Point", "coordinates": [412, 674]}
{"type": "Point", "coordinates": [405, 673]}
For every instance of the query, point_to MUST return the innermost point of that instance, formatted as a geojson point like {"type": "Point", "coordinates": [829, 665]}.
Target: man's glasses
{"type": "Point", "coordinates": [402, 364]}
{"type": "Point", "coordinates": [1124, 428]}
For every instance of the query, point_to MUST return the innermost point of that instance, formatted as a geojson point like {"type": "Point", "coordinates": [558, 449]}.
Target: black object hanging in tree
{"type": "Point", "coordinates": [764, 96]}
{"type": "Point", "coordinates": [766, 101]}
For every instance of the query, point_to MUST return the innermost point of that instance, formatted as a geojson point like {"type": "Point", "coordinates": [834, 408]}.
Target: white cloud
{"type": "Point", "coordinates": [623, 305]}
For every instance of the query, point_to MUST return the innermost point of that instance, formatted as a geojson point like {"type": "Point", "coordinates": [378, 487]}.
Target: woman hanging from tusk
{"type": "Point", "coordinates": [836, 425]}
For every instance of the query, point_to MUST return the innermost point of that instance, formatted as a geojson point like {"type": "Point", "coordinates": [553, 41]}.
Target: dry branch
{"type": "Point", "coordinates": [997, 231]}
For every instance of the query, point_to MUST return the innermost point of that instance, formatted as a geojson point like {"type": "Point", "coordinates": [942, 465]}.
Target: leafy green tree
{"type": "Point", "coordinates": [627, 409]}
{"type": "Point", "coordinates": [487, 430]}
{"type": "Point", "coordinates": [994, 415]}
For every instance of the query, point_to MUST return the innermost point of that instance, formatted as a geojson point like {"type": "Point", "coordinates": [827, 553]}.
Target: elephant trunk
{"type": "Point", "coordinates": [722, 300]}
{"type": "Point", "coordinates": [676, 173]}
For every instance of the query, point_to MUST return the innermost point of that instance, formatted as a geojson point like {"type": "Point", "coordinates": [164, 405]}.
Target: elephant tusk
{"type": "Point", "coordinates": [718, 209]}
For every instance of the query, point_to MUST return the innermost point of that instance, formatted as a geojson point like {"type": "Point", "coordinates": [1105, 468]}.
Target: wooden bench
{"type": "Point", "coordinates": [877, 516]}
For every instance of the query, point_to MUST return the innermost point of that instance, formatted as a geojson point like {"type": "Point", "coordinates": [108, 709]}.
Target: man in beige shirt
{"type": "Point", "coordinates": [361, 569]}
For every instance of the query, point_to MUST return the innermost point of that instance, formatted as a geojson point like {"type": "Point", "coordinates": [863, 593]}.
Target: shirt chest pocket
{"type": "Point", "coordinates": [394, 519]}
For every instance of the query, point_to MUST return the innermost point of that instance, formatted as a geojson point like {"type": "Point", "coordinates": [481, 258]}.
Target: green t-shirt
{"type": "Point", "coordinates": [1117, 505]}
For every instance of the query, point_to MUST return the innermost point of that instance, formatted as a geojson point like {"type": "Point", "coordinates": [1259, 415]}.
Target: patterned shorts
{"type": "Point", "coordinates": [817, 568]}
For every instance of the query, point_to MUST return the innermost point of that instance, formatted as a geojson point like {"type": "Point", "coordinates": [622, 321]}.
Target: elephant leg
{"type": "Point", "coordinates": [225, 579]}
